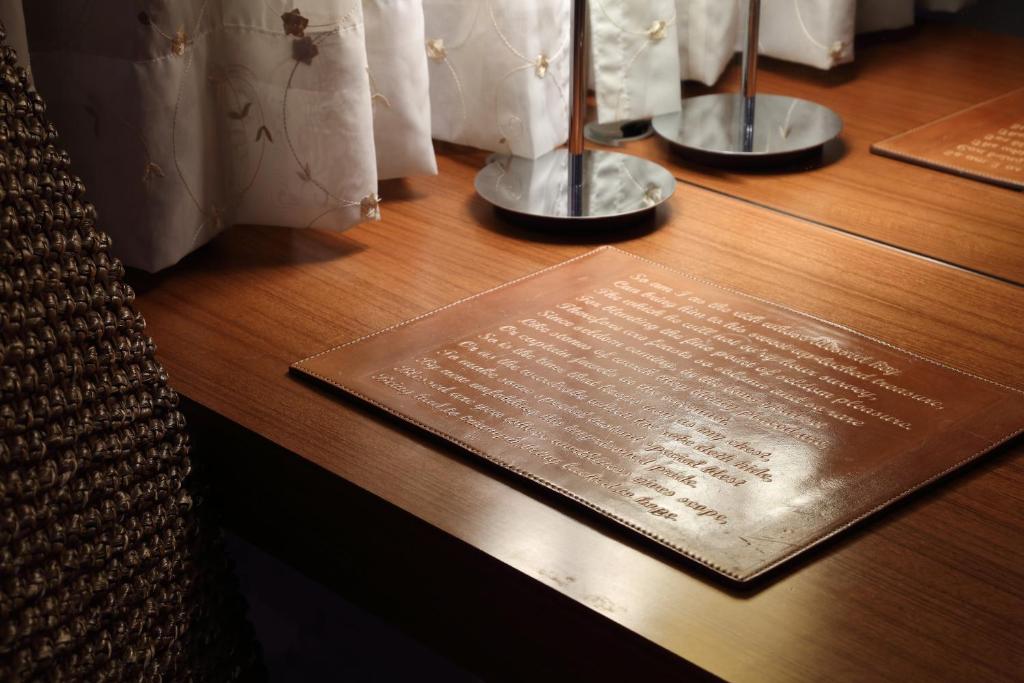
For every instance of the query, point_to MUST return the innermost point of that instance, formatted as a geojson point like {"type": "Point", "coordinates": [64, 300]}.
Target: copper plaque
{"type": "Point", "coordinates": [729, 429]}
{"type": "Point", "coordinates": [984, 142]}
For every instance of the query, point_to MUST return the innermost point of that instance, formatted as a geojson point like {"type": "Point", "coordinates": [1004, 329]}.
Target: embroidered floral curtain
{"type": "Point", "coordinates": [187, 116]}
{"type": "Point", "coordinates": [818, 33]}
{"type": "Point", "coordinates": [499, 73]}
{"type": "Point", "coordinates": [499, 69]}
{"type": "Point", "coordinates": [635, 58]}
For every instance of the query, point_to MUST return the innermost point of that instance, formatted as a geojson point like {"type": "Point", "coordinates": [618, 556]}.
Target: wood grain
{"type": "Point", "coordinates": [896, 83]}
{"type": "Point", "coordinates": [933, 590]}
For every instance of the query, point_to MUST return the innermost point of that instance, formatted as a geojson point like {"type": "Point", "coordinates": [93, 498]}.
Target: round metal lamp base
{"type": "Point", "coordinates": [607, 185]}
{"type": "Point", "coordinates": [730, 129]}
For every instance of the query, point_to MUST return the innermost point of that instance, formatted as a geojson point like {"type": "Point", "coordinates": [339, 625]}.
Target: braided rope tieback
{"type": "Point", "coordinates": [107, 571]}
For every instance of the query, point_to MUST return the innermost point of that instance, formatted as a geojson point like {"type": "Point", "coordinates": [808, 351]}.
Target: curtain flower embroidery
{"type": "Point", "coordinates": [370, 207]}
{"type": "Point", "coordinates": [152, 170]}
{"type": "Point", "coordinates": [436, 50]}
{"type": "Point", "coordinates": [652, 194]}
{"type": "Point", "coordinates": [541, 65]}
{"type": "Point", "coordinates": [304, 50]}
{"type": "Point", "coordinates": [657, 30]}
{"type": "Point", "coordinates": [179, 41]}
{"type": "Point", "coordinates": [835, 52]}
{"type": "Point", "coordinates": [294, 23]}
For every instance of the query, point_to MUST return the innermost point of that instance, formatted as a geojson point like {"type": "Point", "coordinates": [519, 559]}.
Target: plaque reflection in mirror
{"type": "Point", "coordinates": [747, 128]}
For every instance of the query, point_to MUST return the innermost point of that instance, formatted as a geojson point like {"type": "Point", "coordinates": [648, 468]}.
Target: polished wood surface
{"type": "Point", "coordinates": [930, 590]}
{"type": "Point", "coordinates": [898, 82]}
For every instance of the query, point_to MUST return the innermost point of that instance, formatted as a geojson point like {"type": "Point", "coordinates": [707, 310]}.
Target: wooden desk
{"type": "Point", "coordinates": [515, 583]}
{"type": "Point", "coordinates": [896, 83]}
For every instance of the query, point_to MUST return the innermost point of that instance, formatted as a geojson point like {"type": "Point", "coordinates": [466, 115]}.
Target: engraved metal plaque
{"type": "Point", "coordinates": [984, 142]}
{"type": "Point", "coordinates": [732, 430]}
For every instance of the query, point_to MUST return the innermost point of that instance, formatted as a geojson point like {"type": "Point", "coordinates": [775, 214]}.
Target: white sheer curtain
{"type": "Point", "coordinates": [499, 69]}
{"type": "Point", "coordinates": [186, 117]}
{"type": "Point", "coordinates": [818, 33]}
{"type": "Point", "coordinates": [399, 88]}
{"type": "Point", "coordinates": [635, 59]}
{"type": "Point", "coordinates": [499, 73]}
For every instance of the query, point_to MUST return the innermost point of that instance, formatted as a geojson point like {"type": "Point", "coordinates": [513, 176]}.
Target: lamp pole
{"type": "Point", "coordinates": [577, 105]}
{"type": "Point", "coordinates": [601, 185]}
{"type": "Point", "coordinates": [749, 79]}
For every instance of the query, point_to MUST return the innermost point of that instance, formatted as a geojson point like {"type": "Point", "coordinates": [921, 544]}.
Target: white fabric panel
{"type": "Point", "coordinates": [499, 73]}
{"type": "Point", "coordinates": [818, 33]}
{"type": "Point", "coordinates": [199, 114]}
{"type": "Point", "coordinates": [399, 88]}
{"type": "Point", "coordinates": [708, 32]}
{"type": "Point", "coordinates": [635, 58]}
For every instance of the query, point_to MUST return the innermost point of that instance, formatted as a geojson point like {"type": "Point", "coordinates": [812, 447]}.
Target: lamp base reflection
{"type": "Point", "coordinates": [733, 129]}
{"type": "Point", "coordinates": [617, 132]}
{"type": "Point", "coordinates": [589, 186]}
